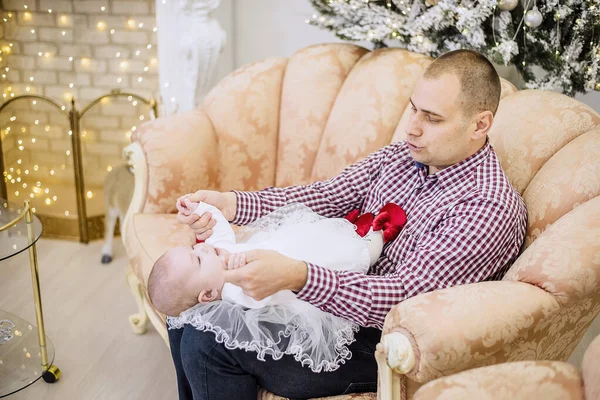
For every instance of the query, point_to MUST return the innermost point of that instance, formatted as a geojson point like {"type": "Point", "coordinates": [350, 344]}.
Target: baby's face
{"type": "Point", "coordinates": [201, 268]}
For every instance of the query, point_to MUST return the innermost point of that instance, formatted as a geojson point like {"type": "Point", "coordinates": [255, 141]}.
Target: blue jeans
{"type": "Point", "coordinates": [207, 370]}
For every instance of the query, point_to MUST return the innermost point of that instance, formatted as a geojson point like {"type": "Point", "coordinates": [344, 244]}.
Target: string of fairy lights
{"type": "Point", "coordinates": [16, 175]}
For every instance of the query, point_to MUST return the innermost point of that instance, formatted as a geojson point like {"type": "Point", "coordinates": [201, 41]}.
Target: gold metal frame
{"type": "Point", "coordinates": [87, 228]}
{"type": "Point", "coordinates": [51, 372]}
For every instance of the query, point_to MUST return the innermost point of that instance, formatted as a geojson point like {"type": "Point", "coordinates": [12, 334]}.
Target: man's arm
{"type": "Point", "coordinates": [331, 198]}
{"type": "Point", "coordinates": [471, 245]}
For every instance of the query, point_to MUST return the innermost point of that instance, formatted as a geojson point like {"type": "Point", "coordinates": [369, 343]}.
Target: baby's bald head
{"type": "Point", "coordinates": [167, 283]}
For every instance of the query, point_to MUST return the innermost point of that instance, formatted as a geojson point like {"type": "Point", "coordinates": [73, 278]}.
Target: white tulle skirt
{"type": "Point", "coordinates": [287, 325]}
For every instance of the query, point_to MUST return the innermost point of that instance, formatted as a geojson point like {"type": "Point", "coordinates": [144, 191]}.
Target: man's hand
{"type": "Point", "coordinates": [267, 272]}
{"type": "Point", "coordinates": [202, 226]}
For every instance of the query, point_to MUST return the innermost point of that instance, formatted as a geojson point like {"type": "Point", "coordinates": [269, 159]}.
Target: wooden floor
{"type": "Point", "coordinates": [86, 306]}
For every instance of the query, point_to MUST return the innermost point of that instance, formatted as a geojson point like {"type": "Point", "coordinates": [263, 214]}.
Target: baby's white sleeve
{"type": "Point", "coordinates": [223, 234]}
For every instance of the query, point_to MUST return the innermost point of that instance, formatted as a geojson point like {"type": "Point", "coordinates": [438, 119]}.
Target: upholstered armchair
{"type": "Point", "coordinates": [522, 380]}
{"type": "Point", "coordinates": [293, 121]}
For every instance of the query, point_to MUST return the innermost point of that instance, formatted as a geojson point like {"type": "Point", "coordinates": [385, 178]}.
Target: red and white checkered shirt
{"type": "Point", "coordinates": [465, 224]}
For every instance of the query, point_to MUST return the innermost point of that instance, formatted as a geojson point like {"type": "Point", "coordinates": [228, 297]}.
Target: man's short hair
{"type": "Point", "coordinates": [479, 81]}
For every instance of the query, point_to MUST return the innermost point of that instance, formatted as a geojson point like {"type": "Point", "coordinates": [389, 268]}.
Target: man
{"type": "Point", "coordinates": [465, 224]}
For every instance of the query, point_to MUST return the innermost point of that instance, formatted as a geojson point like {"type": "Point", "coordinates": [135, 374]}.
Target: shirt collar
{"type": "Point", "coordinates": [457, 171]}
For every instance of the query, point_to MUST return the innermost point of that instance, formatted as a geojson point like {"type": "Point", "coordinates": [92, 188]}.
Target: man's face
{"type": "Point", "coordinates": [438, 131]}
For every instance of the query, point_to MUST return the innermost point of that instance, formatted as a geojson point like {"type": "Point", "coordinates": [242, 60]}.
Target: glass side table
{"type": "Point", "coordinates": [26, 354]}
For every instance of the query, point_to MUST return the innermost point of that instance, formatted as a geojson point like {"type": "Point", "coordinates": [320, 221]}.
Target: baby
{"type": "Point", "coordinates": [187, 283]}
{"type": "Point", "coordinates": [183, 277]}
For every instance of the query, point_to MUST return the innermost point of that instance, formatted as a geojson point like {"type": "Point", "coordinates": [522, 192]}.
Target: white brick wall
{"type": "Point", "coordinates": [93, 50]}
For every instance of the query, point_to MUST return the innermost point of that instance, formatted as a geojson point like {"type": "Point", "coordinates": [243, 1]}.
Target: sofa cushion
{"type": "Point", "coordinates": [511, 381]}
{"type": "Point", "coordinates": [368, 108]}
{"type": "Point", "coordinates": [155, 234]}
{"type": "Point", "coordinates": [570, 178]}
{"type": "Point", "coordinates": [312, 82]}
{"type": "Point", "coordinates": [531, 126]}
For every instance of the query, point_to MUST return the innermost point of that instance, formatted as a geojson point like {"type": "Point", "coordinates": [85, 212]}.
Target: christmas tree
{"type": "Point", "coordinates": [561, 38]}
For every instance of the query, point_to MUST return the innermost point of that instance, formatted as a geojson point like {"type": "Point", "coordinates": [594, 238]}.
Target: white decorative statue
{"type": "Point", "coordinates": [189, 44]}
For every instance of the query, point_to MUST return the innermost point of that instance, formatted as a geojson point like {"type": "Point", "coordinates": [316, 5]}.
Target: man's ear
{"type": "Point", "coordinates": [483, 124]}
{"type": "Point", "coordinates": [206, 296]}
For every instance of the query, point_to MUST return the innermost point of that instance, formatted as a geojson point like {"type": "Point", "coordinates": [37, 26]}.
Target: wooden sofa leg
{"type": "Point", "coordinates": [138, 321]}
{"type": "Point", "coordinates": [391, 386]}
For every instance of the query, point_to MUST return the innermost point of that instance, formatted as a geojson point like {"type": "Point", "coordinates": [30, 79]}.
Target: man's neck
{"type": "Point", "coordinates": [433, 169]}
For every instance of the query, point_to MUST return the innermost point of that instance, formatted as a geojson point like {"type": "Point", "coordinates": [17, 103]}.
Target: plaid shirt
{"type": "Point", "coordinates": [465, 224]}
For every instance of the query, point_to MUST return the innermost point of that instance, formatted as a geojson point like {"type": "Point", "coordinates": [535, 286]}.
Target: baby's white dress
{"type": "Point", "coordinates": [282, 324]}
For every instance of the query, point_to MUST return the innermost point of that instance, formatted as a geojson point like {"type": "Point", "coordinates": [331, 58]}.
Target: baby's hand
{"type": "Point", "coordinates": [185, 206]}
{"type": "Point", "coordinates": [236, 260]}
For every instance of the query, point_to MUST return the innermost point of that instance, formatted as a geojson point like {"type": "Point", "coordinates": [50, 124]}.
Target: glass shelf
{"type": "Point", "coordinates": [20, 357]}
{"type": "Point", "coordinates": [14, 240]}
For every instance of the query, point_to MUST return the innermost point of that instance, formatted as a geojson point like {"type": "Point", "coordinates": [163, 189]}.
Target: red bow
{"type": "Point", "coordinates": [390, 220]}
{"type": "Point", "coordinates": [363, 223]}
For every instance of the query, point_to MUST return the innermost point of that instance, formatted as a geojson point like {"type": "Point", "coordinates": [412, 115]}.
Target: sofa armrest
{"type": "Point", "coordinates": [509, 381]}
{"type": "Point", "coordinates": [172, 156]}
{"type": "Point", "coordinates": [464, 327]}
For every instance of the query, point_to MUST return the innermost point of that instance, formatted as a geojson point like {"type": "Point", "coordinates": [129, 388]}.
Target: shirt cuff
{"type": "Point", "coordinates": [320, 287]}
{"type": "Point", "coordinates": [248, 207]}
